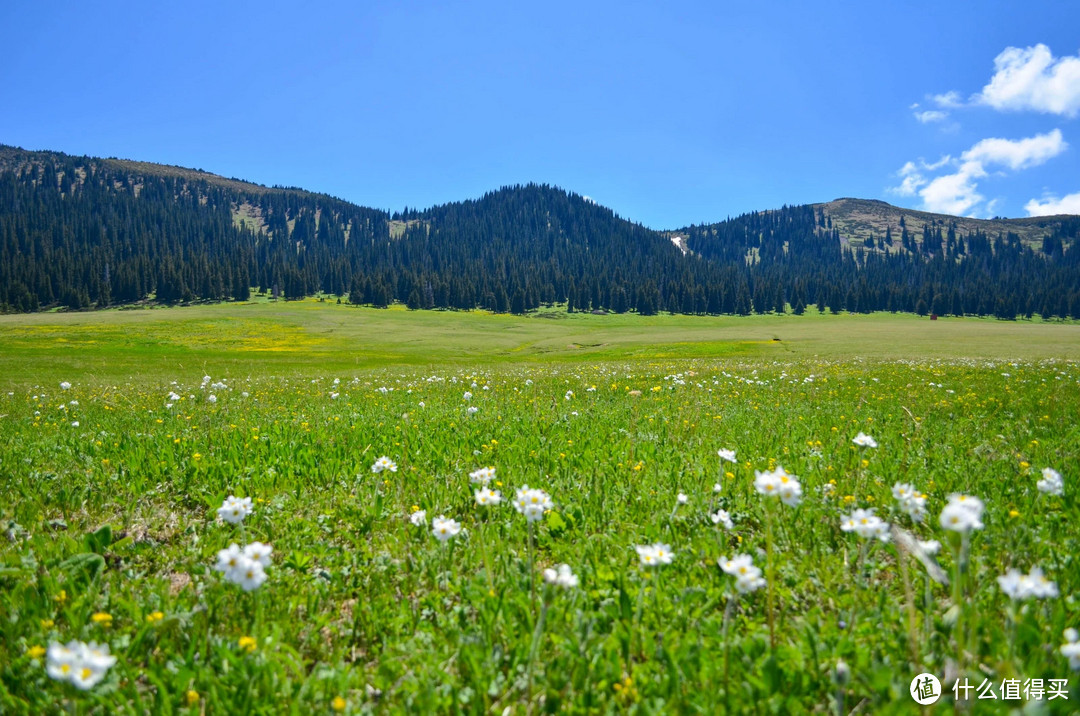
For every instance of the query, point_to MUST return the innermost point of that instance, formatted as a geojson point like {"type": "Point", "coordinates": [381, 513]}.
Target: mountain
{"type": "Point", "coordinates": [82, 232]}
{"type": "Point", "coordinates": [860, 219]}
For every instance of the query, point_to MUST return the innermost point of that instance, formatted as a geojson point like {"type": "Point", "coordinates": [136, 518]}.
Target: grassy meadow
{"type": "Point", "coordinates": [302, 337]}
{"type": "Point", "coordinates": [112, 484]}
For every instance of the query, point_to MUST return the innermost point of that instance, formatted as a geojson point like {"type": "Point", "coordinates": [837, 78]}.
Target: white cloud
{"type": "Point", "coordinates": [955, 193]}
{"type": "Point", "coordinates": [1049, 206]}
{"type": "Point", "coordinates": [1020, 153]}
{"type": "Point", "coordinates": [1030, 78]}
{"type": "Point", "coordinates": [931, 115]}
{"type": "Point", "coordinates": [958, 191]}
{"type": "Point", "coordinates": [936, 165]}
{"type": "Point", "coordinates": [912, 175]}
{"type": "Point", "coordinates": [912, 179]}
{"type": "Point", "coordinates": [950, 99]}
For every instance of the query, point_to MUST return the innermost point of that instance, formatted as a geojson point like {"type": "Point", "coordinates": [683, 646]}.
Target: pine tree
{"type": "Point", "coordinates": [517, 303]}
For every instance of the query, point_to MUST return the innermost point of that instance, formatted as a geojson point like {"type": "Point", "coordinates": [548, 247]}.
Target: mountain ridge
{"type": "Point", "coordinates": [840, 206]}
{"type": "Point", "coordinates": [81, 232]}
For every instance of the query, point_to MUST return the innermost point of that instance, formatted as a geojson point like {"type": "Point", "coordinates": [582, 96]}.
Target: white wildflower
{"type": "Point", "coordinates": [655, 555]}
{"type": "Point", "coordinates": [962, 514]}
{"type": "Point", "coordinates": [1033, 585]}
{"type": "Point", "coordinates": [229, 559]}
{"type": "Point", "coordinates": [911, 500]}
{"type": "Point", "coordinates": [1051, 482]}
{"type": "Point", "coordinates": [1071, 648]}
{"type": "Point", "coordinates": [488, 497]}
{"type": "Point", "coordinates": [234, 509]}
{"type": "Point", "coordinates": [249, 574]}
{"type": "Point", "coordinates": [866, 524]}
{"type": "Point", "coordinates": [444, 529]}
{"type": "Point", "coordinates": [532, 503]}
{"type": "Point", "coordinates": [747, 577]}
{"type": "Point", "coordinates": [562, 576]}
{"type": "Point", "coordinates": [259, 552]}
{"type": "Point", "coordinates": [384, 463]}
{"type": "Point", "coordinates": [778, 483]}
{"type": "Point", "coordinates": [82, 665]}
{"type": "Point", "coordinates": [864, 440]}
{"type": "Point", "coordinates": [721, 517]}
{"type": "Point", "coordinates": [482, 476]}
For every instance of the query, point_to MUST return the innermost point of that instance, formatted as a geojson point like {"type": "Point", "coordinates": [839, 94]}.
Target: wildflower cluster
{"type": "Point", "coordinates": [778, 483]}
{"type": "Point", "coordinates": [655, 555]}
{"type": "Point", "coordinates": [82, 665]}
{"type": "Point", "coordinates": [532, 503]}
{"type": "Point", "coordinates": [747, 576]}
{"type": "Point", "coordinates": [1033, 585]}
{"type": "Point", "coordinates": [910, 501]}
{"type": "Point", "coordinates": [561, 576]}
{"type": "Point", "coordinates": [1051, 482]}
{"type": "Point", "coordinates": [245, 566]}
{"type": "Point", "coordinates": [235, 509]}
{"type": "Point", "coordinates": [721, 517]}
{"type": "Point", "coordinates": [482, 476]}
{"type": "Point", "coordinates": [866, 524]}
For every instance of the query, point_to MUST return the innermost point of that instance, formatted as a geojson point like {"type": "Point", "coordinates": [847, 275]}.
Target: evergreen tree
{"type": "Point", "coordinates": [517, 303]}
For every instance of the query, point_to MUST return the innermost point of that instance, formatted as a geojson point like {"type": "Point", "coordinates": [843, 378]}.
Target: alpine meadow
{"type": "Point", "coordinates": [263, 508]}
{"type": "Point", "coordinates": [511, 359]}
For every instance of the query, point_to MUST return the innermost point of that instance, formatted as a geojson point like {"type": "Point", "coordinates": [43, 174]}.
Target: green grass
{"type": "Point", "coordinates": [360, 602]}
{"type": "Point", "coordinates": [288, 337]}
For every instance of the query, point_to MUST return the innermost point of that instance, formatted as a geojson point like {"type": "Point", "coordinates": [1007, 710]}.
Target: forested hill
{"type": "Point", "coordinates": [81, 232]}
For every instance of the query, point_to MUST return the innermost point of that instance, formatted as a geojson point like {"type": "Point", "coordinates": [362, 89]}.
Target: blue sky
{"type": "Point", "coordinates": [670, 113]}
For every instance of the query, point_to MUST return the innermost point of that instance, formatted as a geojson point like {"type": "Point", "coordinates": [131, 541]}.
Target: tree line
{"type": "Point", "coordinates": [79, 233]}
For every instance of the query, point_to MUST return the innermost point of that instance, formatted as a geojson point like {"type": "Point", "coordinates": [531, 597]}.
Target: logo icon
{"type": "Point", "coordinates": [925, 689]}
